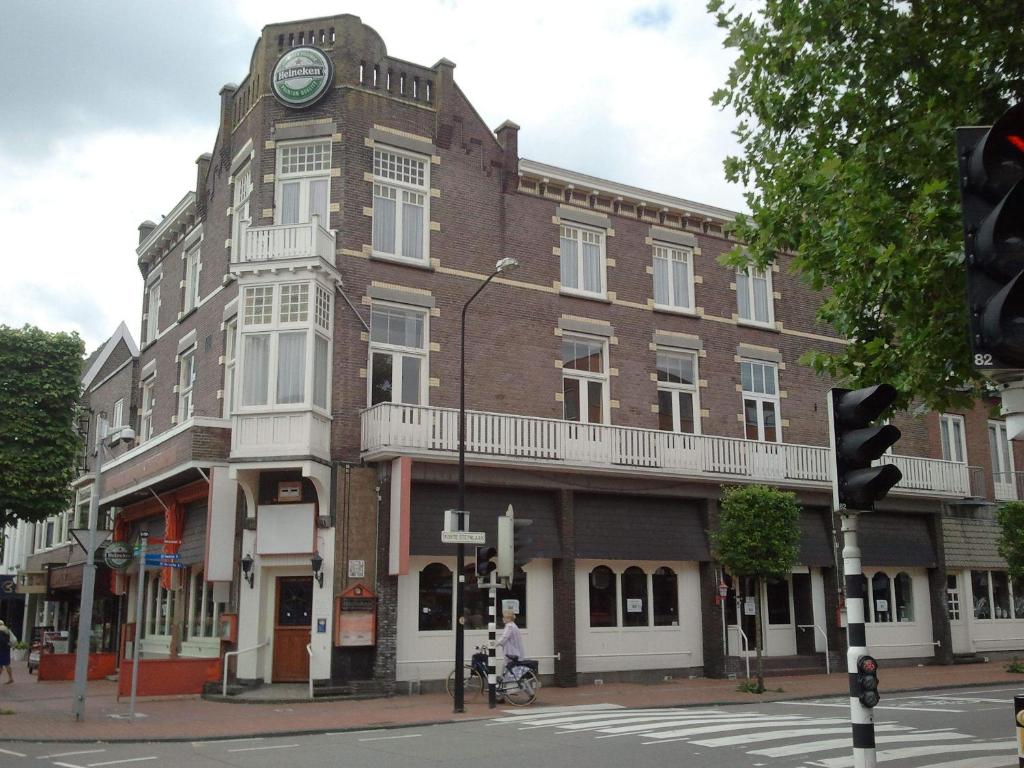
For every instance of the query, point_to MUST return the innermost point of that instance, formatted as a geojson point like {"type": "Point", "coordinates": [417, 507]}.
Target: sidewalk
{"type": "Point", "coordinates": [42, 711]}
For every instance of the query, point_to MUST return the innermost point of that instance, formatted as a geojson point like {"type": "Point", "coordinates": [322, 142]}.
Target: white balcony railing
{"type": "Point", "coordinates": [389, 429]}
{"type": "Point", "coordinates": [285, 241]}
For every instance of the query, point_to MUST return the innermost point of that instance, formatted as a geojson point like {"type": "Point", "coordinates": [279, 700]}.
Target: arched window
{"type": "Point", "coordinates": [435, 597]}
{"type": "Point", "coordinates": [602, 597]}
{"type": "Point", "coordinates": [665, 597]}
{"type": "Point", "coordinates": [904, 589]}
{"type": "Point", "coordinates": [476, 608]}
{"type": "Point", "coordinates": [881, 608]}
{"type": "Point", "coordinates": [634, 597]}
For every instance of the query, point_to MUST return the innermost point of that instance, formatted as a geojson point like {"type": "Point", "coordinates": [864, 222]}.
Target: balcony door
{"type": "Point", "coordinates": [1001, 454]}
{"type": "Point", "coordinates": [303, 182]}
{"type": "Point", "coordinates": [292, 621]}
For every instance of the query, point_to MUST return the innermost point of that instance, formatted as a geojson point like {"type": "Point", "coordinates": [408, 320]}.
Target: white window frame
{"type": "Point", "coordinates": [991, 596]}
{"type": "Point", "coordinates": [760, 399]}
{"type": "Point", "coordinates": [1001, 454]}
{"type": "Point", "coordinates": [869, 602]}
{"type": "Point", "coordinates": [153, 313]}
{"type": "Point", "coordinates": [148, 400]}
{"type": "Point", "coordinates": [570, 230]}
{"type": "Point", "coordinates": [193, 266]}
{"type": "Point", "coordinates": [397, 352]}
{"type": "Point", "coordinates": [274, 326]}
{"type": "Point", "coordinates": [676, 389]}
{"type": "Point", "coordinates": [305, 181]}
{"type": "Point", "coordinates": [745, 279]}
{"type": "Point", "coordinates": [399, 190]}
{"type": "Point", "coordinates": [649, 567]}
{"type": "Point", "coordinates": [230, 364]}
{"type": "Point", "coordinates": [186, 383]}
{"type": "Point", "coordinates": [953, 607]}
{"type": "Point", "coordinates": [585, 377]}
{"type": "Point", "coordinates": [671, 255]}
{"type": "Point", "coordinates": [953, 437]}
{"type": "Point", "coordinates": [117, 420]}
{"type": "Point", "coordinates": [241, 196]}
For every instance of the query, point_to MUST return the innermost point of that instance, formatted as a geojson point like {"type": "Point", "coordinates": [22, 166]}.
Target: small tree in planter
{"type": "Point", "coordinates": [758, 536]}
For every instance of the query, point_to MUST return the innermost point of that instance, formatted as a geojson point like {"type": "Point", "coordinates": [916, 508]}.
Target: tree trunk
{"type": "Point", "coordinates": [759, 635]}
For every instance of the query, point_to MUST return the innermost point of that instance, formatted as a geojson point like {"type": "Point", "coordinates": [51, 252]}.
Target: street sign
{"type": "Point", "coordinates": [463, 537]}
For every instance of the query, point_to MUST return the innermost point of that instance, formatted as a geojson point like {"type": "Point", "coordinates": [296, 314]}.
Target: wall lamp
{"type": "Point", "coordinates": [247, 573]}
{"type": "Point", "coordinates": [318, 565]}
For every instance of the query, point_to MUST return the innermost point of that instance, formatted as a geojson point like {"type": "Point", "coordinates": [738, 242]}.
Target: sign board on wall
{"type": "Point", "coordinates": [302, 76]}
{"type": "Point", "coordinates": [356, 617]}
{"type": "Point", "coordinates": [634, 605]}
{"type": "Point", "coordinates": [357, 569]}
{"type": "Point", "coordinates": [285, 529]}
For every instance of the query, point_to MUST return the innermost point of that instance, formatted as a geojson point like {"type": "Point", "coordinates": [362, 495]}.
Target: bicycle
{"type": "Point", "coordinates": [518, 685]}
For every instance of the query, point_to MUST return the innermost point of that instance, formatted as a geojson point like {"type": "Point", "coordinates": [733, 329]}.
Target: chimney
{"type": "Point", "coordinates": [202, 173]}
{"type": "Point", "coordinates": [227, 101]}
{"type": "Point", "coordinates": [508, 138]}
{"type": "Point", "coordinates": [145, 228]}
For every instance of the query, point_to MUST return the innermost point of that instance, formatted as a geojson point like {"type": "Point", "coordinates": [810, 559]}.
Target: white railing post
{"type": "Point", "coordinates": [224, 688]}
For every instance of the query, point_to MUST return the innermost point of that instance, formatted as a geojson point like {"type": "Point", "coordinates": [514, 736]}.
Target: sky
{"type": "Point", "coordinates": [106, 104]}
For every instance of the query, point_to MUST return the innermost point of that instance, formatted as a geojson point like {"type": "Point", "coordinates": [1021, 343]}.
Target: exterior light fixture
{"type": "Point", "coordinates": [318, 565]}
{"type": "Point", "coordinates": [247, 573]}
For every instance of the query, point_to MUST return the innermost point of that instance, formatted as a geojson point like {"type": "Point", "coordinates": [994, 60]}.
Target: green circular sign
{"type": "Point", "coordinates": [118, 555]}
{"type": "Point", "coordinates": [301, 76]}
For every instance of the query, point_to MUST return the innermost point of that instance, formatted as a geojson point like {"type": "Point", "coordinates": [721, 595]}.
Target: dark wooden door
{"type": "Point", "coordinates": [803, 608]}
{"type": "Point", "coordinates": [292, 620]}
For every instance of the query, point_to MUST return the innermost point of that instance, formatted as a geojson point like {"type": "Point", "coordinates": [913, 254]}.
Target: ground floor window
{"type": "Point", "coordinates": [475, 603]}
{"type": "Point", "coordinates": [203, 611]}
{"type": "Point", "coordinates": [952, 597]}
{"type": "Point", "coordinates": [437, 600]}
{"type": "Point", "coordinates": [996, 596]}
{"type": "Point", "coordinates": [648, 599]}
{"type": "Point", "coordinates": [890, 598]}
{"type": "Point", "coordinates": [435, 603]}
{"type": "Point", "coordinates": [159, 607]}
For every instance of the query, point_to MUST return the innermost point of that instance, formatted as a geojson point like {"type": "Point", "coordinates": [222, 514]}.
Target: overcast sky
{"type": "Point", "coordinates": [107, 103]}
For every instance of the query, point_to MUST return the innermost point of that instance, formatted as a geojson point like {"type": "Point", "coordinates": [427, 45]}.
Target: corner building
{"type": "Point", "coordinates": [299, 389]}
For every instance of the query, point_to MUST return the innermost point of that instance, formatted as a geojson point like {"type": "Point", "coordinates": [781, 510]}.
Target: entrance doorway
{"type": "Point", "coordinates": [292, 619]}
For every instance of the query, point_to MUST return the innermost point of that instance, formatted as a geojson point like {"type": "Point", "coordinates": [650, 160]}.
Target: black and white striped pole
{"type": "Point", "coordinates": [492, 676]}
{"type": "Point", "coordinates": [856, 485]}
{"type": "Point", "coordinates": [861, 717]}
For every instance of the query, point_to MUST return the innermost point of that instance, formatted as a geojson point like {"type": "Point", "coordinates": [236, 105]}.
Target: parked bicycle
{"type": "Point", "coordinates": [518, 685]}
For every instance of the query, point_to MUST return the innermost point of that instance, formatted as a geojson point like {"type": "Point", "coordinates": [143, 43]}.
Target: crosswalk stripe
{"type": "Point", "coordinates": [553, 717]}
{"type": "Point", "coordinates": [659, 721]}
{"type": "Point", "coordinates": [897, 754]}
{"type": "Point", "coordinates": [992, 761]}
{"type": "Point", "coordinates": [725, 727]}
{"type": "Point", "coordinates": [601, 720]}
{"type": "Point", "coordinates": [829, 744]}
{"type": "Point", "coordinates": [751, 738]}
{"type": "Point", "coordinates": [745, 720]}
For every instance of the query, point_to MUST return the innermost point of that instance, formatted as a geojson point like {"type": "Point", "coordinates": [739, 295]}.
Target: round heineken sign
{"type": "Point", "coordinates": [301, 76]}
{"type": "Point", "coordinates": [118, 555]}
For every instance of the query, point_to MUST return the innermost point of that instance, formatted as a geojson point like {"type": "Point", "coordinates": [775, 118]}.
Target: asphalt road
{"type": "Point", "coordinates": [960, 728]}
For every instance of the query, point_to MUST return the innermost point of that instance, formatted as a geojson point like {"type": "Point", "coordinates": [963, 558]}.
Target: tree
{"type": "Point", "coordinates": [1011, 536]}
{"type": "Point", "coordinates": [758, 537]}
{"type": "Point", "coordinates": [846, 124]}
{"type": "Point", "coordinates": [39, 445]}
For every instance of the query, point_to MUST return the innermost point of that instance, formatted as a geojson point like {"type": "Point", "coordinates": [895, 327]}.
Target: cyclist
{"type": "Point", "coordinates": [511, 642]}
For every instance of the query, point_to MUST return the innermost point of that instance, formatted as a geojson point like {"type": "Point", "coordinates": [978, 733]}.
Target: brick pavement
{"type": "Point", "coordinates": [42, 711]}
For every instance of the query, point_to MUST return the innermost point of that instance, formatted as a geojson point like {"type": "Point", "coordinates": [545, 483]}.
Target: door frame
{"type": "Point", "coordinates": [274, 625]}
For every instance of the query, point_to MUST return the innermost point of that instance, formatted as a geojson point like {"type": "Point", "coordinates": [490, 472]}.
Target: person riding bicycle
{"type": "Point", "coordinates": [511, 641]}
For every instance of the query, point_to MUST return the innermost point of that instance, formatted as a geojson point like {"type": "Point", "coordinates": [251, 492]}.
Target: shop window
{"type": "Point", "coordinates": [602, 597]}
{"type": "Point", "coordinates": [1000, 595]}
{"type": "Point", "coordinates": [634, 597]}
{"type": "Point", "coordinates": [982, 601]}
{"type": "Point", "coordinates": [953, 597]}
{"type": "Point", "coordinates": [665, 597]}
{"type": "Point", "coordinates": [475, 602]}
{"type": "Point", "coordinates": [159, 607]}
{"type": "Point", "coordinates": [435, 598]}
{"type": "Point", "coordinates": [881, 608]}
{"type": "Point", "coordinates": [777, 591]}
{"type": "Point", "coordinates": [903, 592]}
{"type": "Point", "coordinates": [203, 611]}
{"type": "Point", "coordinates": [1018, 598]}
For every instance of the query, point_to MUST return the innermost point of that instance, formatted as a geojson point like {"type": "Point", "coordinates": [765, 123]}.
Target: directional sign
{"type": "Point", "coordinates": [463, 537]}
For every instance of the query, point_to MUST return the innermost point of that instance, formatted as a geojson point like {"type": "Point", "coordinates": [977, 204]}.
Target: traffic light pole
{"type": "Point", "coordinates": [861, 718]}
{"type": "Point", "coordinates": [492, 676]}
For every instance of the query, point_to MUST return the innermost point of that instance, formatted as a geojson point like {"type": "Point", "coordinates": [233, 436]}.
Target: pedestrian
{"type": "Point", "coordinates": [7, 640]}
{"type": "Point", "coordinates": [511, 640]}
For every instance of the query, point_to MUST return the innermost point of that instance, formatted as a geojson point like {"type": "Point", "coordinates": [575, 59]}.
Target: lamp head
{"type": "Point", "coordinates": [506, 264]}
{"type": "Point", "coordinates": [317, 562]}
{"type": "Point", "coordinates": [247, 564]}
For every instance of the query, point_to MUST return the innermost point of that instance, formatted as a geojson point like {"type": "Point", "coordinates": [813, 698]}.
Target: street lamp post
{"type": "Point", "coordinates": [504, 265]}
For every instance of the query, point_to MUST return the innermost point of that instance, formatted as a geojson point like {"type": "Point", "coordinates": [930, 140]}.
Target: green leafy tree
{"type": "Point", "coordinates": [39, 391]}
{"type": "Point", "coordinates": [846, 116]}
{"type": "Point", "coordinates": [758, 537]}
{"type": "Point", "coordinates": [1011, 536]}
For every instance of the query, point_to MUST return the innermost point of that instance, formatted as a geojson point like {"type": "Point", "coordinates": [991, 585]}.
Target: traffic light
{"type": "Point", "coordinates": [857, 444]}
{"type": "Point", "coordinates": [865, 683]}
{"type": "Point", "coordinates": [485, 564]}
{"type": "Point", "coordinates": [514, 545]}
{"type": "Point", "coordinates": [992, 202]}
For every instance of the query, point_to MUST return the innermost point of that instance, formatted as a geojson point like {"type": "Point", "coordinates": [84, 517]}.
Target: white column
{"type": "Point", "coordinates": [323, 608]}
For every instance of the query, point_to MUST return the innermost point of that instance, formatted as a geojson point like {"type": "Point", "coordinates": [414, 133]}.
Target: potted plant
{"type": "Point", "coordinates": [19, 651]}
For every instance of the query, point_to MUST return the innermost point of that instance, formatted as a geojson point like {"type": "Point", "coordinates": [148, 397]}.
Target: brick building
{"type": "Point", "coordinates": [299, 388]}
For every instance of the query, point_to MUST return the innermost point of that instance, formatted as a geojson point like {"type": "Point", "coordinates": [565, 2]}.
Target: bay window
{"type": "Point", "coordinates": [401, 204]}
{"type": "Point", "coordinates": [398, 355]}
{"type": "Point", "coordinates": [230, 343]}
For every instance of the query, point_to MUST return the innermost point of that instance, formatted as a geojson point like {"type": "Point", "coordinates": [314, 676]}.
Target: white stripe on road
{"type": "Point", "coordinates": [898, 754]}
{"type": "Point", "coordinates": [562, 711]}
{"type": "Point", "coordinates": [257, 749]}
{"type": "Point", "coordinates": [67, 765]}
{"type": "Point", "coordinates": [68, 754]}
{"type": "Point", "coordinates": [16, 754]}
{"type": "Point", "coordinates": [713, 724]}
{"type": "Point", "coordinates": [825, 746]}
{"type": "Point", "coordinates": [564, 717]}
{"type": "Point", "coordinates": [225, 741]}
{"type": "Point", "coordinates": [847, 706]}
{"type": "Point", "coordinates": [724, 727]}
{"type": "Point", "coordinates": [671, 719]}
{"type": "Point", "coordinates": [995, 761]}
{"type": "Point", "coordinates": [385, 738]}
{"type": "Point", "coordinates": [750, 738]}
{"type": "Point", "coordinates": [118, 762]}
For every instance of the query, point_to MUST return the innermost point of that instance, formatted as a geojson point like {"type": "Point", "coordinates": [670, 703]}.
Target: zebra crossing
{"type": "Point", "coordinates": [794, 739]}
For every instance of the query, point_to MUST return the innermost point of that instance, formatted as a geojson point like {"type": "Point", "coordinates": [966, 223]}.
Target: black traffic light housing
{"type": "Point", "coordinates": [485, 564]}
{"type": "Point", "coordinates": [991, 165]}
{"type": "Point", "coordinates": [858, 443]}
{"type": "Point", "coordinates": [864, 684]}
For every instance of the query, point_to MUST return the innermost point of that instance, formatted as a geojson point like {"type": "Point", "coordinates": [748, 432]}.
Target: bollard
{"type": "Point", "coordinates": [1018, 717]}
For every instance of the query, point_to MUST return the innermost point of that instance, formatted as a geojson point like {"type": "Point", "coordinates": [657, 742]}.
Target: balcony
{"type": "Point", "coordinates": [1008, 486]}
{"type": "Point", "coordinates": [302, 432]}
{"type": "Point", "coordinates": [390, 430]}
{"type": "Point", "coordinates": [261, 246]}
